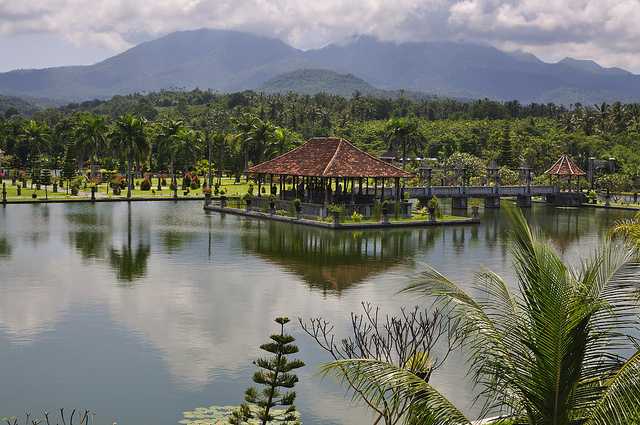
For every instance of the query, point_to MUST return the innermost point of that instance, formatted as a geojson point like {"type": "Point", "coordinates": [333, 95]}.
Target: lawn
{"type": "Point", "coordinates": [229, 185]}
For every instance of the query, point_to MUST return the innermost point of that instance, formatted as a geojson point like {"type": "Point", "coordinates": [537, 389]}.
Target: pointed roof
{"type": "Point", "coordinates": [564, 166]}
{"type": "Point", "coordinates": [328, 157]}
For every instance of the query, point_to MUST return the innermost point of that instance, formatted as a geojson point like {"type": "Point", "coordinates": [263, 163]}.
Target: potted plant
{"type": "Point", "coordinates": [475, 208]}
{"type": "Point", "coordinates": [207, 195]}
{"type": "Point", "coordinates": [297, 204]}
{"type": "Point", "coordinates": [223, 198]}
{"type": "Point", "coordinates": [592, 196]}
{"type": "Point", "coordinates": [433, 206]}
{"type": "Point", "coordinates": [272, 204]}
{"type": "Point", "coordinates": [247, 200]}
{"type": "Point", "coordinates": [386, 207]}
{"type": "Point", "coordinates": [335, 210]}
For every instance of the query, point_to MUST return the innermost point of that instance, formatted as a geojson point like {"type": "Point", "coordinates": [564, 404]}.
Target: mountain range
{"type": "Point", "coordinates": [229, 61]}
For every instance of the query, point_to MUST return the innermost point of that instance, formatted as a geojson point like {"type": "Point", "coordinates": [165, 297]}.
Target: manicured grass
{"type": "Point", "coordinates": [229, 185]}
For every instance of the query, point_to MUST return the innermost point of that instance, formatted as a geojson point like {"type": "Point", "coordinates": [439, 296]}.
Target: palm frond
{"type": "Point", "coordinates": [373, 379]}
{"type": "Point", "coordinates": [620, 404]}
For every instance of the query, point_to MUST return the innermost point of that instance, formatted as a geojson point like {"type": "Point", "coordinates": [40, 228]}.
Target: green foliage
{"type": "Point", "coordinates": [560, 350]}
{"type": "Point", "coordinates": [335, 209]}
{"type": "Point", "coordinates": [275, 375]}
{"type": "Point", "coordinates": [356, 217]}
{"type": "Point", "coordinates": [508, 176]}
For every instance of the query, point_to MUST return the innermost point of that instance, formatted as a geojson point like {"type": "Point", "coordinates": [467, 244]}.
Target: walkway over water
{"type": "Point", "coordinates": [478, 191]}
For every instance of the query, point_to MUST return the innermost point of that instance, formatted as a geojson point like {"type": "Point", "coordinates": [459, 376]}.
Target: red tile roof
{"type": "Point", "coordinates": [564, 166]}
{"type": "Point", "coordinates": [328, 157]}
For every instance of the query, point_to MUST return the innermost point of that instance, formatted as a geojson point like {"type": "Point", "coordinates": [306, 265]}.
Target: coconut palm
{"type": "Point", "coordinates": [557, 350]}
{"type": "Point", "coordinates": [403, 133]}
{"type": "Point", "coordinates": [164, 141]}
{"type": "Point", "coordinates": [628, 229]}
{"type": "Point", "coordinates": [129, 140]}
{"type": "Point", "coordinates": [90, 136]}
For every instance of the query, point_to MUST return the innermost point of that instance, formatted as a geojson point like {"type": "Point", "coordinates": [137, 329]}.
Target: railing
{"type": "Point", "coordinates": [475, 191]}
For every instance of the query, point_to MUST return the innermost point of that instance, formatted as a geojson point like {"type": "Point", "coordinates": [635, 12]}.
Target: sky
{"type": "Point", "coordinates": [43, 33]}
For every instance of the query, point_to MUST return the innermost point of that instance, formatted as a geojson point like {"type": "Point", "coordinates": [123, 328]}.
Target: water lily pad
{"type": "Point", "coordinates": [216, 415]}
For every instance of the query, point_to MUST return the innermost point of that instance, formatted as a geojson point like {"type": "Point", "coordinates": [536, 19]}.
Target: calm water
{"type": "Point", "coordinates": [141, 312]}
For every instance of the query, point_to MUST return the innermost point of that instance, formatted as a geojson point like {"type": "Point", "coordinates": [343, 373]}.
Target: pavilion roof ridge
{"type": "Point", "coordinates": [335, 154]}
{"type": "Point", "coordinates": [565, 166]}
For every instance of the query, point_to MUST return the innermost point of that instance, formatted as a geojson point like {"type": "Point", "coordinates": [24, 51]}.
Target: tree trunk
{"type": "Point", "coordinates": [129, 178]}
{"type": "Point", "coordinates": [404, 152]}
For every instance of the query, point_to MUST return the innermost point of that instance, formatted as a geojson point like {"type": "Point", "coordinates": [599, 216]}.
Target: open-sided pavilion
{"type": "Point", "coordinates": [329, 170]}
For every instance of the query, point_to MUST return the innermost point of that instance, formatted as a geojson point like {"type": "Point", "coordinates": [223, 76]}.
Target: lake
{"type": "Point", "coordinates": [142, 311]}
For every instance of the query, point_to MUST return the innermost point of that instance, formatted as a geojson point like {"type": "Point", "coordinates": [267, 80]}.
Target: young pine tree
{"type": "Point", "coordinates": [506, 156]}
{"type": "Point", "coordinates": [69, 166]}
{"type": "Point", "coordinates": [36, 171]}
{"type": "Point", "coordinates": [276, 377]}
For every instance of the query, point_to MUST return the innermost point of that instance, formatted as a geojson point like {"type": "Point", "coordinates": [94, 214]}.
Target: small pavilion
{"type": "Point", "coordinates": [565, 168]}
{"type": "Point", "coordinates": [328, 170]}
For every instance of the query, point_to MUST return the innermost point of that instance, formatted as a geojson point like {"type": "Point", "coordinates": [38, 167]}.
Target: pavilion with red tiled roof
{"type": "Point", "coordinates": [326, 167]}
{"type": "Point", "coordinates": [565, 168]}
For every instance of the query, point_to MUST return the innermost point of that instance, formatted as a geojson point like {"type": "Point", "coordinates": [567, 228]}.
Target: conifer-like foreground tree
{"type": "Point", "coordinates": [276, 377]}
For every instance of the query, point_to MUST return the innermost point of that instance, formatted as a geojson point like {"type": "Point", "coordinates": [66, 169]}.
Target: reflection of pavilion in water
{"type": "Point", "coordinates": [330, 260]}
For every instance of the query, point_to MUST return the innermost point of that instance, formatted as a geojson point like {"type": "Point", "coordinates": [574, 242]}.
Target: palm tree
{"type": "Point", "coordinates": [129, 140]}
{"type": "Point", "coordinates": [90, 134]}
{"type": "Point", "coordinates": [37, 138]}
{"type": "Point", "coordinates": [185, 145]}
{"type": "Point", "coordinates": [628, 229]}
{"type": "Point", "coordinates": [403, 133]}
{"type": "Point", "coordinates": [165, 140]}
{"type": "Point", "coordinates": [558, 351]}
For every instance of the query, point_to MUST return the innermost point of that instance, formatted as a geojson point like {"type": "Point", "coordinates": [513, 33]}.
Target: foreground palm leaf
{"type": "Point", "coordinates": [558, 351]}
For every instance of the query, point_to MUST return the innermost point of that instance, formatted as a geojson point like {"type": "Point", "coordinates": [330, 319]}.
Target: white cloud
{"type": "Point", "coordinates": [605, 30]}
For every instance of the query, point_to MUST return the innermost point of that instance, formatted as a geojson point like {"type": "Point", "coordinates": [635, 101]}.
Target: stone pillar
{"type": "Point", "coordinates": [459, 203]}
{"type": "Point", "coordinates": [492, 202]}
{"type": "Point", "coordinates": [523, 201]}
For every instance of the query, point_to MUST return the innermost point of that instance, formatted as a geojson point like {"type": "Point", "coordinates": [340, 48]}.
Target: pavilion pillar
{"type": "Point", "coordinates": [397, 182]}
{"type": "Point", "coordinates": [382, 192]}
{"type": "Point", "coordinates": [353, 191]}
{"type": "Point", "coordinates": [259, 185]}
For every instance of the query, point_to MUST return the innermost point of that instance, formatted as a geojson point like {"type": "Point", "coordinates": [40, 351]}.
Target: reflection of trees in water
{"type": "Point", "coordinates": [334, 260]}
{"type": "Point", "coordinates": [175, 240]}
{"type": "Point", "coordinates": [130, 263]}
{"type": "Point", "coordinates": [564, 227]}
{"type": "Point", "coordinates": [5, 247]}
{"type": "Point", "coordinates": [90, 232]}
{"type": "Point", "coordinates": [91, 235]}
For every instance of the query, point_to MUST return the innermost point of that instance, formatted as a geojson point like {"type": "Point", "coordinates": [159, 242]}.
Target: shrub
{"type": "Point", "coordinates": [145, 184]}
{"type": "Point", "coordinates": [297, 204]}
{"type": "Point", "coordinates": [118, 181]}
{"type": "Point", "coordinates": [385, 206]}
{"type": "Point", "coordinates": [195, 184]}
{"type": "Point", "coordinates": [434, 205]}
{"type": "Point", "coordinates": [356, 217]}
{"type": "Point", "coordinates": [377, 210]}
{"type": "Point", "coordinates": [335, 209]}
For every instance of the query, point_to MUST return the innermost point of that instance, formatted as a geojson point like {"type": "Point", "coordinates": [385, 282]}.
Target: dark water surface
{"type": "Point", "coordinates": [141, 312]}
